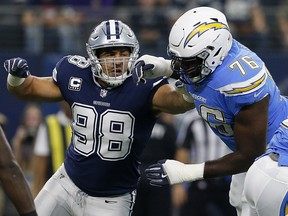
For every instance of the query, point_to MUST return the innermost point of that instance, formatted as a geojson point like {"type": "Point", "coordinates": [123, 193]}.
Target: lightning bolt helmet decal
{"type": "Point", "coordinates": [199, 30]}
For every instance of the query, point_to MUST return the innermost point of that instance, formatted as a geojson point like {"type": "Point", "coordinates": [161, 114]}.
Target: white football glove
{"type": "Point", "coordinates": [149, 67]}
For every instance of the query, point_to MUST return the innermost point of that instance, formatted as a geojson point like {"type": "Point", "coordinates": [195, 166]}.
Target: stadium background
{"type": "Point", "coordinates": [13, 39]}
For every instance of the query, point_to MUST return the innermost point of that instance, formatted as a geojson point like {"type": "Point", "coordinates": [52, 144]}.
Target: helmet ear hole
{"type": "Point", "coordinates": [210, 47]}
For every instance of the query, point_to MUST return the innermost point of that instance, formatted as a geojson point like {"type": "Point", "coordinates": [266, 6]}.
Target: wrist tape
{"type": "Point", "coordinates": [192, 172]}
{"type": "Point", "coordinates": [14, 81]}
{"type": "Point", "coordinates": [168, 71]}
{"type": "Point", "coordinates": [179, 173]}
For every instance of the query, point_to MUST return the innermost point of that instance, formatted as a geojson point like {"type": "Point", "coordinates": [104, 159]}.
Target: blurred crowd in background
{"type": "Point", "coordinates": [37, 26]}
{"type": "Point", "coordinates": [45, 30]}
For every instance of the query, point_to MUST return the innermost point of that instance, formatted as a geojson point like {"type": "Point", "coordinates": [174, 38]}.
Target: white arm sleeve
{"type": "Point", "coordinates": [178, 172]}
{"type": "Point", "coordinates": [161, 66]}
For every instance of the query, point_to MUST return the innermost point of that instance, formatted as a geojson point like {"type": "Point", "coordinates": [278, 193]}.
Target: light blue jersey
{"type": "Point", "coordinates": [242, 79]}
{"type": "Point", "coordinates": [279, 144]}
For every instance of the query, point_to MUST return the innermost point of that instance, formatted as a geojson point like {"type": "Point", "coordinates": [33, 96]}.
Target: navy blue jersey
{"type": "Point", "coordinates": [241, 80]}
{"type": "Point", "coordinates": [110, 128]}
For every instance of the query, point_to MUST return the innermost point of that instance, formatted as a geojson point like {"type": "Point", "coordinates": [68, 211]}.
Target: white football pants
{"type": "Point", "coordinates": [61, 197]}
{"type": "Point", "coordinates": [236, 195]}
{"type": "Point", "coordinates": [266, 187]}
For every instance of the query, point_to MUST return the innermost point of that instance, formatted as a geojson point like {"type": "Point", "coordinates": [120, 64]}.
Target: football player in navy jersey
{"type": "Point", "coordinates": [112, 121]}
{"type": "Point", "coordinates": [233, 91]}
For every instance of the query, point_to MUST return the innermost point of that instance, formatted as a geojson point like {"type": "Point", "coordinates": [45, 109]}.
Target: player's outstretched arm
{"type": "Point", "coordinates": [173, 99]}
{"type": "Point", "coordinates": [25, 86]}
{"type": "Point", "coordinates": [250, 130]}
{"type": "Point", "coordinates": [13, 181]}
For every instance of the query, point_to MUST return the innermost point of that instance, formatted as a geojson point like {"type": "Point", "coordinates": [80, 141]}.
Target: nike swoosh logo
{"type": "Point", "coordinates": [61, 176]}
{"type": "Point", "coordinates": [257, 94]}
{"type": "Point", "coordinates": [163, 175]}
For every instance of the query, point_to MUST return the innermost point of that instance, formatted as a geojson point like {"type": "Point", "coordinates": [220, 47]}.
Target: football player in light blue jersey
{"type": "Point", "coordinates": [266, 182]}
{"type": "Point", "coordinates": [112, 121]}
{"type": "Point", "coordinates": [233, 91]}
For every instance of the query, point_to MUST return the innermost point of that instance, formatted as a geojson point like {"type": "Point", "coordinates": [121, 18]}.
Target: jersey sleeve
{"type": "Point", "coordinates": [69, 73]}
{"type": "Point", "coordinates": [240, 94]}
{"type": "Point", "coordinates": [154, 85]}
{"type": "Point", "coordinates": [60, 66]}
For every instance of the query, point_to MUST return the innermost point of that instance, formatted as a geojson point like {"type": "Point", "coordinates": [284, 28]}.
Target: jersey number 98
{"type": "Point", "coordinates": [115, 137]}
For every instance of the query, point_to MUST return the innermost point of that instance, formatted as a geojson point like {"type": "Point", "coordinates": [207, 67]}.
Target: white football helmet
{"type": "Point", "coordinates": [198, 42]}
{"type": "Point", "coordinates": [110, 34]}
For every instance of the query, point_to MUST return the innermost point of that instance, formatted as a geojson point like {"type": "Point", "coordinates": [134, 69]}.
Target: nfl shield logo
{"type": "Point", "coordinates": [103, 93]}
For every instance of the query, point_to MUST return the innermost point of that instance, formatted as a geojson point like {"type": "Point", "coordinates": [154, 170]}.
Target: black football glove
{"type": "Point", "coordinates": [17, 67]}
{"type": "Point", "coordinates": [138, 71]}
{"type": "Point", "coordinates": [156, 174]}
